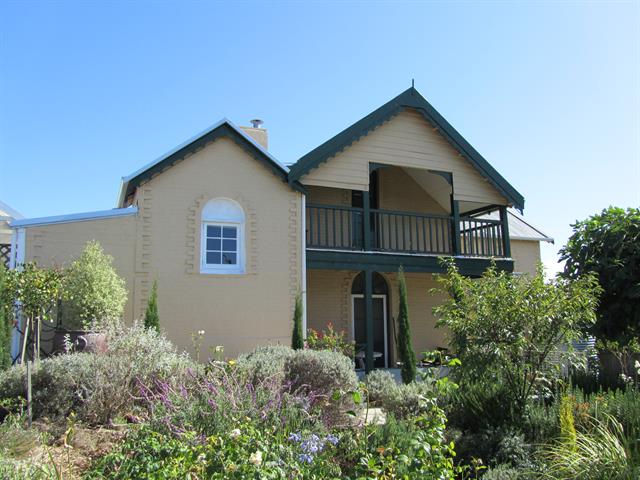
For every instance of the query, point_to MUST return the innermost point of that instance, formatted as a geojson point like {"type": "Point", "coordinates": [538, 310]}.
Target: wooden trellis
{"type": "Point", "coordinates": [5, 253]}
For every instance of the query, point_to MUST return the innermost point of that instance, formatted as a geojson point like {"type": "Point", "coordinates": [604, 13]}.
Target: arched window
{"type": "Point", "coordinates": [222, 240]}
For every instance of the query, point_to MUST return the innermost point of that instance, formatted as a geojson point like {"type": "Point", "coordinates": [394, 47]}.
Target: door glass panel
{"type": "Point", "coordinates": [360, 332]}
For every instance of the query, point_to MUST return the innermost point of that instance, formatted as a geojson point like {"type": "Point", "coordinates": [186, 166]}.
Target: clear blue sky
{"type": "Point", "coordinates": [548, 92]}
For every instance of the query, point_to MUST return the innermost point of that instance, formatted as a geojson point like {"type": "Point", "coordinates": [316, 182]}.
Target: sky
{"type": "Point", "coordinates": [548, 92]}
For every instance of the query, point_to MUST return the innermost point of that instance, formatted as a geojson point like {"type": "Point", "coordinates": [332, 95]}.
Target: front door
{"type": "Point", "coordinates": [380, 345]}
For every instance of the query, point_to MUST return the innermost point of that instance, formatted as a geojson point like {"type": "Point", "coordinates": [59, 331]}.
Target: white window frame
{"type": "Point", "coordinates": [222, 268]}
{"type": "Point", "coordinates": [230, 218]}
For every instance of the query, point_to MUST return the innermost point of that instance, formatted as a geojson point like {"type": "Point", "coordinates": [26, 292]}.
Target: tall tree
{"type": "Point", "coordinates": [151, 317]}
{"type": "Point", "coordinates": [297, 338]}
{"type": "Point", "coordinates": [608, 244]}
{"type": "Point", "coordinates": [5, 321]}
{"type": "Point", "coordinates": [405, 348]}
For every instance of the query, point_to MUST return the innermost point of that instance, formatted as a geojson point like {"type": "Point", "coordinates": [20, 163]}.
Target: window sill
{"type": "Point", "coordinates": [222, 273]}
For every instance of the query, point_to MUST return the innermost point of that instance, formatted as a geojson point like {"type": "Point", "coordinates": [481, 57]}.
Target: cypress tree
{"type": "Point", "coordinates": [151, 318]}
{"type": "Point", "coordinates": [405, 349]}
{"type": "Point", "coordinates": [297, 338]}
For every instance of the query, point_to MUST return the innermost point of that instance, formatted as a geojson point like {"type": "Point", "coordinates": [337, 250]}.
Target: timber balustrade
{"type": "Point", "coordinates": [333, 227]}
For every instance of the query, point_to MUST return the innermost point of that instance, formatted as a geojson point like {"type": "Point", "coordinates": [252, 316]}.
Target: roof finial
{"type": "Point", "coordinates": [413, 85]}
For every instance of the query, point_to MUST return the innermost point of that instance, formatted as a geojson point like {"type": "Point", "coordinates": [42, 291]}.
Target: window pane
{"type": "Point", "coordinates": [229, 245]}
{"type": "Point", "coordinates": [213, 244]}
{"type": "Point", "coordinates": [229, 258]}
{"type": "Point", "coordinates": [229, 232]}
{"type": "Point", "coordinates": [213, 231]}
{"type": "Point", "coordinates": [213, 258]}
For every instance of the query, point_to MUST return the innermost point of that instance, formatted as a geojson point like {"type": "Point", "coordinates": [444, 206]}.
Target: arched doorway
{"type": "Point", "coordinates": [381, 328]}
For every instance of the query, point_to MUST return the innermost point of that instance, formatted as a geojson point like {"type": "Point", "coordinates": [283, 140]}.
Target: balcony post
{"type": "Point", "coordinates": [455, 230]}
{"type": "Point", "coordinates": [368, 318]}
{"type": "Point", "coordinates": [506, 241]}
{"type": "Point", "coordinates": [366, 221]}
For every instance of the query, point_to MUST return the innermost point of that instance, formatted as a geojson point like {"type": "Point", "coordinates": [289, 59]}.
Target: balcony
{"type": "Point", "coordinates": [332, 227]}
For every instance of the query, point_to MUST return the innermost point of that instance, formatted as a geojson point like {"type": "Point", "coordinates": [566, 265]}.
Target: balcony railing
{"type": "Point", "coordinates": [343, 228]}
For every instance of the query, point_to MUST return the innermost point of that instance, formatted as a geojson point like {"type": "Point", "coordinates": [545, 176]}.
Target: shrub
{"type": "Point", "coordinates": [297, 340]}
{"type": "Point", "coordinates": [541, 421]}
{"type": "Point", "coordinates": [502, 472]}
{"type": "Point", "coordinates": [151, 317]}
{"type": "Point", "coordinates": [264, 362]}
{"type": "Point", "coordinates": [411, 448]}
{"type": "Point", "coordinates": [327, 377]}
{"type": "Point", "coordinates": [405, 348]}
{"type": "Point", "coordinates": [330, 339]}
{"type": "Point", "coordinates": [494, 446]}
{"type": "Point", "coordinates": [567, 425]}
{"type": "Point", "coordinates": [400, 400]}
{"type": "Point", "coordinates": [378, 382]}
{"type": "Point", "coordinates": [98, 387]}
{"type": "Point", "coordinates": [505, 328]}
{"type": "Point", "coordinates": [93, 292]}
{"type": "Point", "coordinates": [478, 405]}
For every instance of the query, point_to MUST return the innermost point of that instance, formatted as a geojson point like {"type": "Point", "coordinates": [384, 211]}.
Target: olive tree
{"type": "Point", "coordinates": [508, 328]}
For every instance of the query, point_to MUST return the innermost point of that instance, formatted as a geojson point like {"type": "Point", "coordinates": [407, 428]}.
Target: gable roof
{"type": "Point", "coordinates": [223, 128]}
{"type": "Point", "coordinates": [410, 98]}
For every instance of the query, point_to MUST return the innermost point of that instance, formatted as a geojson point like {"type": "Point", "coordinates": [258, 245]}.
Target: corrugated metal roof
{"type": "Point", "coordinates": [519, 228]}
{"type": "Point", "coordinates": [6, 210]}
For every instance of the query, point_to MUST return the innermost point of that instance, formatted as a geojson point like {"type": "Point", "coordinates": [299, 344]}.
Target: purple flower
{"type": "Point", "coordinates": [294, 437]}
{"type": "Point", "coordinates": [332, 439]}
{"type": "Point", "coordinates": [305, 458]}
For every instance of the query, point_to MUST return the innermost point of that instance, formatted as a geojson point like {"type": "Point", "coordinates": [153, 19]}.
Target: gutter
{"type": "Point", "coordinates": [75, 217]}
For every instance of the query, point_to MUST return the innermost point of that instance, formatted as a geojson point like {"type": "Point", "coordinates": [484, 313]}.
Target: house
{"type": "Point", "coordinates": [231, 234]}
{"type": "Point", "coordinates": [7, 215]}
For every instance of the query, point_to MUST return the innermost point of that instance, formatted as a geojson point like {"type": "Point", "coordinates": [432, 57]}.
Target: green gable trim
{"type": "Point", "coordinates": [222, 130]}
{"type": "Point", "coordinates": [410, 98]}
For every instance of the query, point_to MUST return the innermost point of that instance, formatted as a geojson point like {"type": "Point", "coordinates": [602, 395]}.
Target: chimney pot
{"type": "Point", "coordinates": [257, 123]}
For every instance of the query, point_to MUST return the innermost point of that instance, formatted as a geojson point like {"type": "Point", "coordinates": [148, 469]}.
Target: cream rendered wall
{"type": "Point", "coordinates": [59, 244]}
{"type": "Point", "coordinates": [526, 256]}
{"type": "Point", "coordinates": [397, 190]}
{"type": "Point", "coordinates": [328, 196]}
{"type": "Point", "coordinates": [236, 311]}
{"type": "Point", "coordinates": [329, 300]}
{"type": "Point", "coordinates": [406, 140]}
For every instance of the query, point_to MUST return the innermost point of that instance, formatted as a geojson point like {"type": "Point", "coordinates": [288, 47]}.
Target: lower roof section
{"type": "Point", "coordinates": [383, 262]}
{"type": "Point", "coordinates": [74, 217]}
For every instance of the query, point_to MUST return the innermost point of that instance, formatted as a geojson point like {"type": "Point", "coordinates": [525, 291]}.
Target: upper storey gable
{"type": "Point", "coordinates": [406, 132]}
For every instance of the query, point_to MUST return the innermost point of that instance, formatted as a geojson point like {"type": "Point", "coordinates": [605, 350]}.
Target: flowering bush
{"type": "Point", "coordinates": [244, 452]}
{"type": "Point", "coordinates": [330, 339]}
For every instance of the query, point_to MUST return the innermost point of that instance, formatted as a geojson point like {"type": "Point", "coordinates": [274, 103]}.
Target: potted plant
{"type": "Point", "coordinates": [93, 298]}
